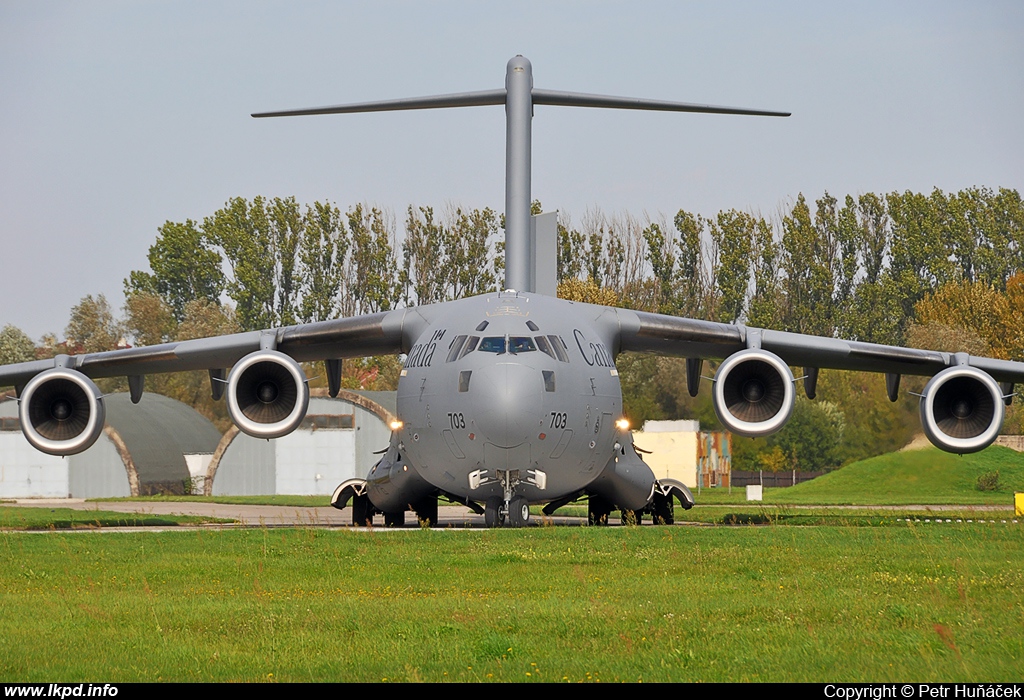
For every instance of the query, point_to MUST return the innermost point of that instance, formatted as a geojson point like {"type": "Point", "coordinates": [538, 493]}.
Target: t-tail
{"type": "Point", "coordinates": [519, 96]}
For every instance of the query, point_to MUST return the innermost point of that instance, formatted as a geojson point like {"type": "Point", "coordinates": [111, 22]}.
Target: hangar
{"type": "Point", "coordinates": [144, 449]}
{"type": "Point", "coordinates": [337, 440]}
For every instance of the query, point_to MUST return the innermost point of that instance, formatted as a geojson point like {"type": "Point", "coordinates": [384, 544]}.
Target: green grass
{"type": "Point", "coordinates": [927, 476]}
{"type": "Point", "coordinates": [768, 603]}
{"type": "Point", "coordinates": [36, 518]}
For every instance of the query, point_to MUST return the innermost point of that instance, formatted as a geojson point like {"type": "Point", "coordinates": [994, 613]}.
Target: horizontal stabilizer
{"type": "Point", "coordinates": [459, 99]}
{"type": "Point", "coordinates": [579, 99]}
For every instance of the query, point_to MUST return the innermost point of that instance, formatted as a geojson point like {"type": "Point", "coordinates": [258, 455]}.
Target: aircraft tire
{"type": "Point", "coordinates": [519, 512]}
{"type": "Point", "coordinates": [598, 510]}
{"type": "Point", "coordinates": [426, 511]}
{"type": "Point", "coordinates": [664, 513]}
{"type": "Point", "coordinates": [631, 517]}
{"type": "Point", "coordinates": [394, 519]}
{"type": "Point", "coordinates": [493, 517]}
{"type": "Point", "coordinates": [362, 511]}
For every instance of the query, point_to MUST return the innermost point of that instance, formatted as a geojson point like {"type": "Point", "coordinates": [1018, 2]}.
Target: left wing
{"type": "Point", "coordinates": [61, 409]}
{"type": "Point", "coordinates": [962, 406]}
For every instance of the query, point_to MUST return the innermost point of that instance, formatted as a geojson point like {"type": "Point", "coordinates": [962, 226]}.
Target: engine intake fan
{"type": "Point", "coordinates": [753, 393]}
{"type": "Point", "coordinates": [61, 412]}
{"type": "Point", "coordinates": [962, 410]}
{"type": "Point", "coordinates": [267, 394]}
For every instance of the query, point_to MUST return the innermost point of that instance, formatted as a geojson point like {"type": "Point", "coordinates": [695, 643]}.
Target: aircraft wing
{"type": "Point", "coordinates": [359, 336]}
{"type": "Point", "coordinates": [962, 405]}
{"type": "Point", "coordinates": [683, 337]}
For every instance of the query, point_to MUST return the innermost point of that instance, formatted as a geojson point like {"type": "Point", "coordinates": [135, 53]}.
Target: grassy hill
{"type": "Point", "coordinates": [927, 476]}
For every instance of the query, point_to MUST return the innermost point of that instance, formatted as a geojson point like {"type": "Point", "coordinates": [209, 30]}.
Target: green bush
{"type": "Point", "coordinates": [989, 481]}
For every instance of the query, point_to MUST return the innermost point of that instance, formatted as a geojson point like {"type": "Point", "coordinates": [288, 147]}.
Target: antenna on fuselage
{"type": "Point", "coordinates": [519, 96]}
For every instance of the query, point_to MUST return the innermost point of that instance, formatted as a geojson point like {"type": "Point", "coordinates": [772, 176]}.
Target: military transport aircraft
{"type": "Point", "coordinates": [512, 398]}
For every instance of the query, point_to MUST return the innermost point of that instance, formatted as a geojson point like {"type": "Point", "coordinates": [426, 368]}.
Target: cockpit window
{"type": "Point", "coordinates": [518, 344]}
{"type": "Point", "coordinates": [495, 344]}
{"type": "Point", "coordinates": [455, 350]}
{"type": "Point", "coordinates": [470, 345]}
{"type": "Point", "coordinates": [545, 347]}
{"type": "Point", "coordinates": [558, 345]}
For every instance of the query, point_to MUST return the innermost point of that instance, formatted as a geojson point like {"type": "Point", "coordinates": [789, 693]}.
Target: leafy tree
{"type": "Point", "coordinates": [467, 245]}
{"type": "Point", "coordinates": [92, 326]}
{"type": "Point", "coordinates": [690, 280]}
{"type": "Point", "coordinates": [15, 346]}
{"type": "Point", "coordinates": [974, 306]}
{"type": "Point", "coordinates": [322, 252]}
{"type": "Point", "coordinates": [731, 234]}
{"type": "Point", "coordinates": [149, 319]}
{"type": "Point", "coordinates": [422, 254]}
{"type": "Point", "coordinates": [873, 240]}
{"type": "Point", "coordinates": [184, 267]}
{"type": "Point", "coordinates": [570, 251]}
{"type": "Point", "coordinates": [286, 226]}
{"type": "Point", "coordinates": [766, 302]}
{"type": "Point", "coordinates": [811, 257]}
{"type": "Point", "coordinates": [242, 232]}
{"type": "Point", "coordinates": [372, 279]}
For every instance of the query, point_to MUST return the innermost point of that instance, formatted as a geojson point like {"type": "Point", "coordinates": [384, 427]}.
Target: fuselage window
{"type": "Point", "coordinates": [456, 348]}
{"type": "Point", "coordinates": [545, 347]}
{"type": "Point", "coordinates": [549, 380]}
{"type": "Point", "coordinates": [464, 377]}
{"type": "Point", "coordinates": [483, 325]}
{"type": "Point", "coordinates": [520, 343]}
{"type": "Point", "coordinates": [532, 326]}
{"type": "Point", "coordinates": [558, 345]}
{"type": "Point", "coordinates": [470, 346]}
{"type": "Point", "coordinates": [495, 344]}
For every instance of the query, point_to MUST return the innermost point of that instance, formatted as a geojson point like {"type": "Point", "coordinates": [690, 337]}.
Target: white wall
{"type": "Point", "coordinates": [314, 462]}
{"type": "Point", "coordinates": [27, 473]}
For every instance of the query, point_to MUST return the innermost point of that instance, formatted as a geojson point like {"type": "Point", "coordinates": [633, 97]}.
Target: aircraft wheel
{"type": "Point", "coordinates": [631, 517]}
{"type": "Point", "coordinates": [362, 511]}
{"type": "Point", "coordinates": [664, 514]}
{"type": "Point", "coordinates": [519, 512]}
{"type": "Point", "coordinates": [493, 515]}
{"type": "Point", "coordinates": [426, 511]}
{"type": "Point", "coordinates": [394, 519]}
{"type": "Point", "coordinates": [598, 510]}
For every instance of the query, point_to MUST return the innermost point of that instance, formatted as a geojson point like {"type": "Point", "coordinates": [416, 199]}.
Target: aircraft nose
{"type": "Point", "coordinates": [509, 403]}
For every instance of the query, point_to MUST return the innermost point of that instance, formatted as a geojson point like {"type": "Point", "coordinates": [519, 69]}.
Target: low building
{"type": "Point", "coordinates": [144, 449]}
{"type": "Point", "coordinates": [678, 449]}
{"type": "Point", "coordinates": [337, 440]}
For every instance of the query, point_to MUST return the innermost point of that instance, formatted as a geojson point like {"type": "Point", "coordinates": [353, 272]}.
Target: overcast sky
{"type": "Point", "coordinates": [118, 116]}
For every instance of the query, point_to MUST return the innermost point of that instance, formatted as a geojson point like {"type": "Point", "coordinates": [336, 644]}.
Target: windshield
{"type": "Point", "coordinates": [495, 344]}
{"type": "Point", "coordinates": [517, 344]}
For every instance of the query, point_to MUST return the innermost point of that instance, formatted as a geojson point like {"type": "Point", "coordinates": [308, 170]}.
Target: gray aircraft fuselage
{"type": "Point", "coordinates": [505, 382]}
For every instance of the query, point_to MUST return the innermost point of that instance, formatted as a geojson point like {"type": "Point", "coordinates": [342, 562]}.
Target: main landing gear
{"type": "Point", "coordinates": [516, 512]}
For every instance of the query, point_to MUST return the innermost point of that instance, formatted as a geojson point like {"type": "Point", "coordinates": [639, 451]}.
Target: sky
{"type": "Point", "coordinates": [117, 116]}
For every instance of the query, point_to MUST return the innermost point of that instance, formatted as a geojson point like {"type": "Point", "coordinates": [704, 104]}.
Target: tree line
{"type": "Point", "coordinates": [943, 270]}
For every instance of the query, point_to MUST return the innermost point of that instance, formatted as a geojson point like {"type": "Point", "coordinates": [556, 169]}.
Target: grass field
{"type": "Point", "coordinates": [926, 476]}
{"type": "Point", "coordinates": [777, 603]}
{"type": "Point", "coordinates": [13, 517]}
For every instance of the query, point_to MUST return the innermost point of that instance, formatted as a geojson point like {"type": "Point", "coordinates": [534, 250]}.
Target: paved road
{"type": "Point", "coordinates": [269, 516]}
{"type": "Point", "coordinates": [326, 516]}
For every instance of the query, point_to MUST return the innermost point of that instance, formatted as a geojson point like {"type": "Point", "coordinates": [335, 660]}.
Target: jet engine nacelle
{"type": "Point", "coordinates": [267, 394]}
{"type": "Point", "coordinates": [962, 410]}
{"type": "Point", "coordinates": [61, 412]}
{"type": "Point", "coordinates": [753, 393]}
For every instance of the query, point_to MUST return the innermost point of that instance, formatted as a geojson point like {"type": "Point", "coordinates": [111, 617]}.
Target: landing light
{"type": "Point", "coordinates": [396, 425]}
{"type": "Point", "coordinates": [622, 424]}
